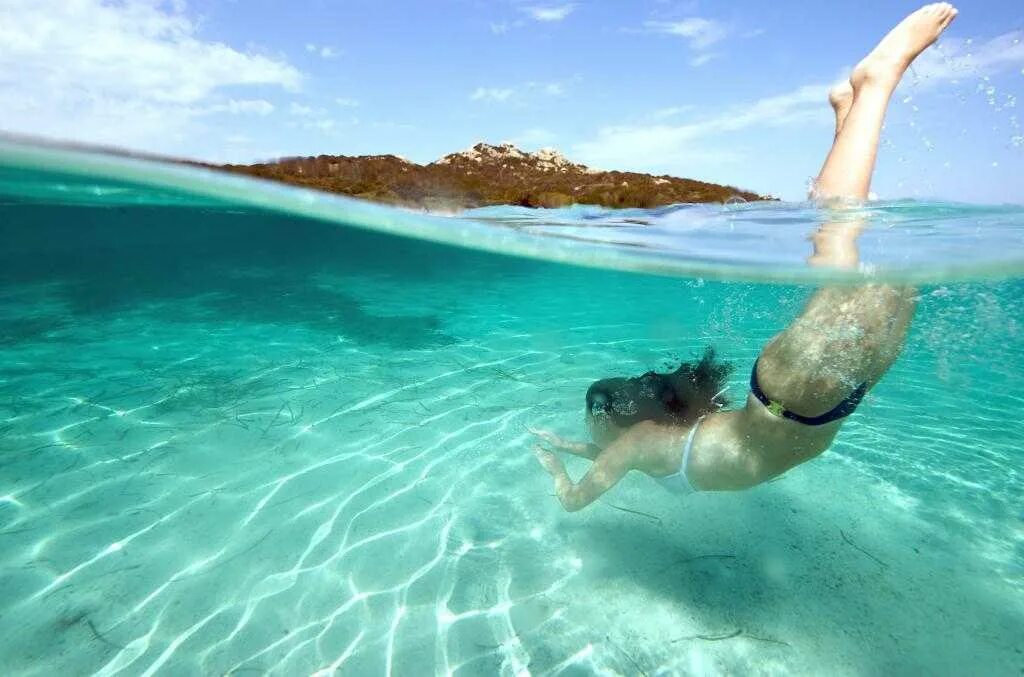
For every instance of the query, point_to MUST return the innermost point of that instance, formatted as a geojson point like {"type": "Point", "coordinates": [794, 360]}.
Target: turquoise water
{"type": "Point", "coordinates": [240, 435]}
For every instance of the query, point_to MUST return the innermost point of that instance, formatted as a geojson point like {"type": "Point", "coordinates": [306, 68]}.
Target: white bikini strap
{"type": "Point", "coordinates": [689, 445]}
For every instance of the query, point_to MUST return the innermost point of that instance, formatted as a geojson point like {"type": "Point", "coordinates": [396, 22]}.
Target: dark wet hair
{"type": "Point", "coordinates": [679, 397]}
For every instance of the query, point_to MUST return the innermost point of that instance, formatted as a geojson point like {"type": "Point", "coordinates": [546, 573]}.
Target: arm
{"type": "Point", "coordinates": [610, 466]}
{"type": "Point", "coordinates": [584, 449]}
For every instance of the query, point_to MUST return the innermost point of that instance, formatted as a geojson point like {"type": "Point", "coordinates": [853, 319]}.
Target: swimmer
{"type": "Point", "coordinates": [808, 378]}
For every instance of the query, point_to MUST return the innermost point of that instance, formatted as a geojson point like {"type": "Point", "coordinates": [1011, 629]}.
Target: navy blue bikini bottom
{"type": "Point", "coordinates": [844, 408]}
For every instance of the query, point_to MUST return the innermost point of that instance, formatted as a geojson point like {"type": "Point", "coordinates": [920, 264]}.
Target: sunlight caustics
{"type": "Point", "coordinates": [237, 439]}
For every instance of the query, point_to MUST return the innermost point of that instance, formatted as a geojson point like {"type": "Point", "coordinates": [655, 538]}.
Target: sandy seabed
{"type": "Point", "coordinates": [238, 482]}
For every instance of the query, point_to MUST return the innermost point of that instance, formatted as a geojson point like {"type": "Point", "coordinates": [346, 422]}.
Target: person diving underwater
{"type": "Point", "coordinates": [808, 378]}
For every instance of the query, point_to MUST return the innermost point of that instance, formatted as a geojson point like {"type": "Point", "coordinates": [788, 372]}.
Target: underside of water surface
{"type": "Point", "coordinates": [248, 430]}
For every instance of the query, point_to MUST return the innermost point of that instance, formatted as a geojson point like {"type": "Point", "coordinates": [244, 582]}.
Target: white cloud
{"type": "Point", "coordinates": [637, 146]}
{"type": "Point", "coordinates": [535, 137]}
{"type": "Point", "coordinates": [324, 51]}
{"type": "Point", "coordinates": [700, 33]}
{"type": "Point", "coordinates": [135, 73]}
{"type": "Point", "coordinates": [244, 106]}
{"type": "Point", "coordinates": [556, 13]}
{"type": "Point", "coordinates": [518, 92]}
{"type": "Point", "coordinates": [491, 94]}
{"type": "Point", "coordinates": [954, 58]}
{"type": "Point", "coordinates": [323, 125]}
{"type": "Point", "coordinates": [319, 123]}
{"type": "Point", "coordinates": [316, 119]}
{"type": "Point", "coordinates": [670, 112]}
{"type": "Point", "coordinates": [392, 126]}
{"type": "Point", "coordinates": [346, 102]}
{"type": "Point", "coordinates": [691, 147]}
{"type": "Point", "coordinates": [702, 59]}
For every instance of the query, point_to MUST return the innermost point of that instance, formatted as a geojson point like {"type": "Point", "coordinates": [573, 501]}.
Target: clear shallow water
{"type": "Point", "coordinates": [237, 440]}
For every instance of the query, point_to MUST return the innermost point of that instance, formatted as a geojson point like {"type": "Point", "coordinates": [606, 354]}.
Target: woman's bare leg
{"type": "Point", "coordinates": [841, 99]}
{"type": "Point", "coordinates": [850, 335]}
{"type": "Point", "coordinates": [835, 244]}
{"type": "Point", "coordinates": [850, 163]}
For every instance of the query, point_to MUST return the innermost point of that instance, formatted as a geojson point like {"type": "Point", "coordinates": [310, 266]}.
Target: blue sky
{"type": "Point", "coordinates": [726, 92]}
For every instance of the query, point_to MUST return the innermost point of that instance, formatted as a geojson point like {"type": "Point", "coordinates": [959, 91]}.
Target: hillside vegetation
{"type": "Point", "coordinates": [487, 175]}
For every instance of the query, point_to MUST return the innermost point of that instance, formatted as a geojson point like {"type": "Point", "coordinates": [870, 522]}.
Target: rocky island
{"type": "Point", "coordinates": [487, 175]}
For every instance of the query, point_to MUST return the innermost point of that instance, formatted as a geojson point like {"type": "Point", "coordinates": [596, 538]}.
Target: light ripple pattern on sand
{"type": "Point", "coordinates": [319, 464]}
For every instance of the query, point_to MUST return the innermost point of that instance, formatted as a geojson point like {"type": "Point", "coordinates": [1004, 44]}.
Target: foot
{"type": "Point", "coordinates": [888, 61]}
{"type": "Point", "coordinates": [841, 98]}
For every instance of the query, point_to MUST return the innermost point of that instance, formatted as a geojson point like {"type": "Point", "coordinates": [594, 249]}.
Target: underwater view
{"type": "Point", "coordinates": [251, 429]}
